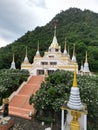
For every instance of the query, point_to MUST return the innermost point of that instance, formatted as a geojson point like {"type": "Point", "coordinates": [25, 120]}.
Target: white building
{"type": "Point", "coordinates": [52, 60]}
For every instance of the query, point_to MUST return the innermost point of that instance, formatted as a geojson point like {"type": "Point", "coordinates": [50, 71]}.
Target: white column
{"type": "Point", "coordinates": [62, 120]}
{"type": "Point", "coordinates": [85, 122]}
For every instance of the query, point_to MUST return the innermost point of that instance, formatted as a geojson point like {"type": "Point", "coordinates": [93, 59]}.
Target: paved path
{"type": "Point", "coordinates": [19, 104]}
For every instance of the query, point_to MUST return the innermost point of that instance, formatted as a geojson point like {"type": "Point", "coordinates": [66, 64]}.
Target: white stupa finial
{"type": "Point", "coordinates": [86, 65]}
{"type": "Point", "coordinates": [13, 63]}
{"type": "Point", "coordinates": [65, 50]}
{"type": "Point", "coordinates": [74, 56]}
{"type": "Point", "coordinates": [54, 45]}
{"type": "Point", "coordinates": [26, 57]}
{"type": "Point", "coordinates": [74, 100]}
{"type": "Point", "coordinates": [38, 53]}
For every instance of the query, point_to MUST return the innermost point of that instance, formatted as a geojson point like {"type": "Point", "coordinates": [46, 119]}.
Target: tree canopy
{"type": "Point", "coordinates": [10, 80]}
{"type": "Point", "coordinates": [56, 89]}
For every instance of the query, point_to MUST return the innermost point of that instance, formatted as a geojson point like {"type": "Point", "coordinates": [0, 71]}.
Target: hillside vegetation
{"type": "Point", "coordinates": [79, 27]}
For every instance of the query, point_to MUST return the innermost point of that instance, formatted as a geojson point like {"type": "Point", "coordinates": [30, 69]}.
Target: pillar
{"type": "Point", "coordinates": [62, 120]}
{"type": "Point", "coordinates": [85, 122]}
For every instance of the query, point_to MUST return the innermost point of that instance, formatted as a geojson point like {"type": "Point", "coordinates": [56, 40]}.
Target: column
{"type": "Point", "coordinates": [62, 120]}
{"type": "Point", "coordinates": [85, 122]}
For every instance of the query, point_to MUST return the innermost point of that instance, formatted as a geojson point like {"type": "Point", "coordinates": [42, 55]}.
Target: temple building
{"type": "Point", "coordinates": [76, 118]}
{"type": "Point", "coordinates": [52, 60]}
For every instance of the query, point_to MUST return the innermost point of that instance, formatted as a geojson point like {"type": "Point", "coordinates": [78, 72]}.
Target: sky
{"type": "Point", "coordinates": [19, 16]}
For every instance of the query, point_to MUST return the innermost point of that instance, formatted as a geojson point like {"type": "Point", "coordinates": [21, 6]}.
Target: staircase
{"type": "Point", "coordinates": [19, 103]}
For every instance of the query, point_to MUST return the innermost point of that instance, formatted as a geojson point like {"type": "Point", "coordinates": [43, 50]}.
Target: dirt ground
{"type": "Point", "coordinates": [24, 124]}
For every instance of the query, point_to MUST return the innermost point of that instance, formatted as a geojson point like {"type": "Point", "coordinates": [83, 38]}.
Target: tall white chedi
{"type": "Point", "coordinates": [81, 68]}
{"type": "Point", "coordinates": [74, 100]}
{"type": "Point", "coordinates": [86, 65]}
{"type": "Point", "coordinates": [13, 64]}
{"type": "Point", "coordinates": [76, 117]}
{"type": "Point", "coordinates": [26, 57]}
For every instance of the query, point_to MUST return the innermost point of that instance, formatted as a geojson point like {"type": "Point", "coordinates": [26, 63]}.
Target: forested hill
{"type": "Point", "coordinates": [79, 27]}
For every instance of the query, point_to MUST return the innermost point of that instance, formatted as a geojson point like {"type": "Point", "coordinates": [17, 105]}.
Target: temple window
{"type": "Point", "coordinates": [51, 56]}
{"type": "Point", "coordinates": [53, 63]}
{"type": "Point", "coordinates": [44, 63]}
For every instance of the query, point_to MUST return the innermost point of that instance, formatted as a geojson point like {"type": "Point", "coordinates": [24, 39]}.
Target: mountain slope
{"type": "Point", "coordinates": [79, 27]}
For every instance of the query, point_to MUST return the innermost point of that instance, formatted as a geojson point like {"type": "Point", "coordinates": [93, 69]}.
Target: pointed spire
{"type": "Point", "coordinates": [55, 31]}
{"type": "Point", "coordinates": [74, 57]}
{"type": "Point", "coordinates": [26, 57]}
{"type": "Point", "coordinates": [38, 46]}
{"type": "Point", "coordinates": [86, 57]}
{"type": "Point", "coordinates": [65, 44]}
{"type": "Point", "coordinates": [54, 45]}
{"type": "Point", "coordinates": [38, 53]}
{"type": "Point", "coordinates": [81, 69]}
{"type": "Point", "coordinates": [68, 53]}
{"type": "Point", "coordinates": [26, 51]}
{"type": "Point", "coordinates": [54, 41]}
{"type": "Point", "coordinates": [13, 63]}
{"type": "Point", "coordinates": [13, 58]}
{"type": "Point", "coordinates": [74, 99]}
{"type": "Point", "coordinates": [65, 51]}
{"type": "Point", "coordinates": [75, 79]}
{"type": "Point", "coordinates": [86, 65]}
{"type": "Point", "coordinates": [74, 50]}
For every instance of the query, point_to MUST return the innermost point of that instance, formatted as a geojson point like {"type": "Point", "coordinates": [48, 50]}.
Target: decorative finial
{"type": "Point", "coordinates": [74, 50]}
{"type": "Point", "coordinates": [38, 46]}
{"type": "Point", "coordinates": [65, 44]}
{"type": "Point", "coordinates": [55, 30]}
{"type": "Point", "coordinates": [26, 51]}
{"type": "Point", "coordinates": [13, 57]}
{"type": "Point", "coordinates": [75, 79]}
{"type": "Point", "coordinates": [86, 57]}
{"type": "Point", "coordinates": [81, 62]}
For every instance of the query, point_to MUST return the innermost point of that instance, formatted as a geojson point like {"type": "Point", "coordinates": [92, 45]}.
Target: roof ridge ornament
{"type": "Point", "coordinates": [75, 79]}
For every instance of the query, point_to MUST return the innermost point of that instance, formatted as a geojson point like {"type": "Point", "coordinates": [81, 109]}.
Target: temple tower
{"type": "Point", "coordinates": [37, 55]}
{"type": "Point", "coordinates": [54, 47]}
{"type": "Point", "coordinates": [13, 63]}
{"type": "Point", "coordinates": [81, 68]}
{"type": "Point", "coordinates": [26, 64]}
{"type": "Point", "coordinates": [86, 69]}
{"type": "Point", "coordinates": [76, 118]}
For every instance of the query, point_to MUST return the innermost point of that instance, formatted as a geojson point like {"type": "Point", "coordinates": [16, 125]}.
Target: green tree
{"type": "Point", "coordinates": [10, 80]}
{"type": "Point", "coordinates": [56, 89]}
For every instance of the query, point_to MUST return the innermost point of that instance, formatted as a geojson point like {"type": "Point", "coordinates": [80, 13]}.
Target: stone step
{"type": "Point", "coordinates": [19, 105]}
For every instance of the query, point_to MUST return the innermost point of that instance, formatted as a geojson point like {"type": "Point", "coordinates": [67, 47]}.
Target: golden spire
{"type": "Point", "coordinates": [38, 46]}
{"type": "Point", "coordinates": [74, 50]}
{"type": "Point", "coordinates": [13, 58]}
{"type": "Point", "coordinates": [65, 44]}
{"type": "Point", "coordinates": [26, 51]}
{"type": "Point", "coordinates": [86, 57]}
{"type": "Point", "coordinates": [81, 62]}
{"type": "Point", "coordinates": [68, 50]}
{"type": "Point", "coordinates": [55, 30]}
{"type": "Point", "coordinates": [75, 79]}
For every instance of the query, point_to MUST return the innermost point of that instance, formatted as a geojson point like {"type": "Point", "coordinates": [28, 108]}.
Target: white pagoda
{"type": "Point", "coordinates": [76, 117]}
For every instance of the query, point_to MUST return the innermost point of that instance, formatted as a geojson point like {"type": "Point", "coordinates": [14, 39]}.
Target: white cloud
{"type": "Point", "coordinates": [3, 42]}
{"type": "Point", "coordinates": [19, 16]}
